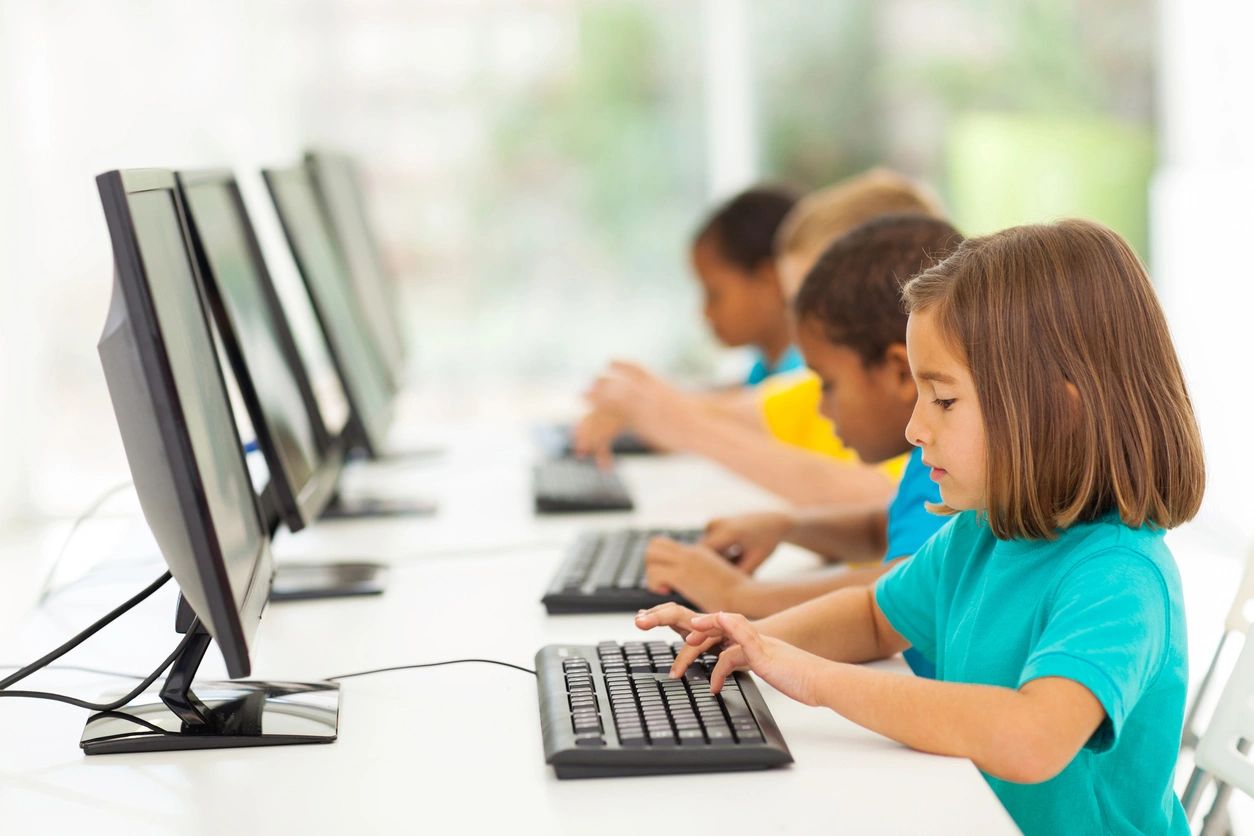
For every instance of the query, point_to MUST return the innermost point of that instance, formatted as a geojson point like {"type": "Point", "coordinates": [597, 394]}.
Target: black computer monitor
{"type": "Point", "coordinates": [303, 457]}
{"type": "Point", "coordinates": [356, 354]}
{"type": "Point", "coordinates": [184, 451]}
{"type": "Point", "coordinates": [338, 184]}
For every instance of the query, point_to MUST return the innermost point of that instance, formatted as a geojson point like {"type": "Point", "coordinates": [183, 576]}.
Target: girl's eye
{"type": "Point", "coordinates": [826, 387]}
{"type": "Point", "coordinates": [944, 403]}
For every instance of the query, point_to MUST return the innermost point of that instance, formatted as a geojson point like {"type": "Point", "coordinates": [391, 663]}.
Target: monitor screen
{"type": "Point", "coordinates": [340, 189]}
{"type": "Point", "coordinates": [362, 369]}
{"type": "Point", "coordinates": [286, 428]}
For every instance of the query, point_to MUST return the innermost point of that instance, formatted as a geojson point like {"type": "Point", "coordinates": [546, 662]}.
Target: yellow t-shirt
{"type": "Point", "coordinates": [790, 407]}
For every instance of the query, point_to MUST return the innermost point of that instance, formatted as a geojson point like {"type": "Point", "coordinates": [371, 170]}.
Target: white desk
{"type": "Point", "coordinates": [454, 749]}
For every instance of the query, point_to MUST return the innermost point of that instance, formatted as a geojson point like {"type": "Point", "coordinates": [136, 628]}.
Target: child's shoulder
{"type": "Point", "coordinates": [1110, 549]}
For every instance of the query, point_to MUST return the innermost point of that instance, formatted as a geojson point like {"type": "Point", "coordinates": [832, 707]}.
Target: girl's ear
{"type": "Point", "coordinates": [768, 273]}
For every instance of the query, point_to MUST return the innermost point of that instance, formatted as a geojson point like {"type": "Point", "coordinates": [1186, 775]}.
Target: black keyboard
{"type": "Point", "coordinates": [568, 485]}
{"type": "Point", "coordinates": [604, 572]}
{"type": "Point", "coordinates": [613, 710]}
{"type": "Point", "coordinates": [559, 440]}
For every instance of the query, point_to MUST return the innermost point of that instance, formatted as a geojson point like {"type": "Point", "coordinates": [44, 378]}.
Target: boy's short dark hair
{"type": "Point", "coordinates": [854, 290]}
{"type": "Point", "coordinates": [744, 228]}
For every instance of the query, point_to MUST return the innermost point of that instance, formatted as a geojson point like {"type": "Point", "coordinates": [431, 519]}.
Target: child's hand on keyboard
{"type": "Point", "coordinates": [696, 572]}
{"type": "Point", "coordinates": [791, 670]}
{"type": "Point", "coordinates": [675, 616]}
{"type": "Point", "coordinates": [594, 435]}
{"type": "Point", "coordinates": [748, 538]}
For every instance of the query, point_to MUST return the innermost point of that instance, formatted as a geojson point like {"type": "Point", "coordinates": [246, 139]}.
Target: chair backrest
{"type": "Point", "coordinates": [1241, 613]}
{"type": "Point", "coordinates": [1231, 729]}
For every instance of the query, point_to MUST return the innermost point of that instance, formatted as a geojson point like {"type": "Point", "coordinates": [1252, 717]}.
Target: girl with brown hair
{"type": "Point", "coordinates": [1054, 415]}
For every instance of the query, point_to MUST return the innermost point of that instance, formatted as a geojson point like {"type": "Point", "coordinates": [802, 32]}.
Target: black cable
{"type": "Point", "coordinates": [431, 665]}
{"type": "Point", "coordinates": [120, 701]}
{"type": "Point", "coordinates": [83, 636]}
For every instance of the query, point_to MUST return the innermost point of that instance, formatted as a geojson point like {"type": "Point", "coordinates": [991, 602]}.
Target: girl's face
{"type": "Point", "coordinates": [947, 422]}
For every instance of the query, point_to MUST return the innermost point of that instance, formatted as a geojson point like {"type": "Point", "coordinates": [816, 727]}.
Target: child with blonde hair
{"type": "Point", "coordinates": [1053, 413]}
{"type": "Point", "coordinates": [771, 434]}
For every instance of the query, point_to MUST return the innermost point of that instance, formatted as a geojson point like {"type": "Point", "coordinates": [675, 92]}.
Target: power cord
{"type": "Point", "coordinates": [84, 635]}
{"type": "Point", "coordinates": [431, 665]}
{"type": "Point", "coordinates": [80, 669]}
{"type": "Point", "coordinates": [120, 701]}
{"type": "Point", "coordinates": [121, 675]}
{"type": "Point", "coordinates": [46, 587]}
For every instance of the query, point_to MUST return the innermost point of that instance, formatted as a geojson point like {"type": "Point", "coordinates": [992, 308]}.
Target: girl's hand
{"type": "Point", "coordinates": [672, 615]}
{"type": "Point", "coordinates": [702, 576]}
{"type": "Point", "coordinates": [789, 669]}
{"type": "Point", "coordinates": [749, 538]}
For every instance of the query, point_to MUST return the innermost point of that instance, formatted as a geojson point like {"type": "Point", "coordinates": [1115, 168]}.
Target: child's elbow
{"type": "Point", "coordinates": [1029, 759]}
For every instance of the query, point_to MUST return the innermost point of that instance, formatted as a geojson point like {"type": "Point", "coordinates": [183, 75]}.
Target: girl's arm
{"type": "Point", "coordinates": [1025, 736]}
{"type": "Point", "coordinates": [844, 626]}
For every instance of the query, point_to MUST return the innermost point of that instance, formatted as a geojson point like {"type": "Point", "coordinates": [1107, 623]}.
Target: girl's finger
{"type": "Point", "coordinates": [669, 614]}
{"type": "Point", "coordinates": [730, 659]}
{"type": "Point", "coordinates": [691, 651]}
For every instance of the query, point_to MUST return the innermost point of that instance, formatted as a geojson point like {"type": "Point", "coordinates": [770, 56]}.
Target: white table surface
{"type": "Point", "coordinates": [453, 749]}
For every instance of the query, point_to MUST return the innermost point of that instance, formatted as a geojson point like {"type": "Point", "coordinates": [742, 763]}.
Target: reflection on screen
{"type": "Point", "coordinates": [348, 214]}
{"type": "Point", "coordinates": [185, 333]}
{"type": "Point", "coordinates": [364, 372]}
{"type": "Point", "coordinates": [226, 246]}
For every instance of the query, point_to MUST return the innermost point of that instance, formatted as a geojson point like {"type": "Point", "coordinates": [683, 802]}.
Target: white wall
{"type": "Point", "coordinates": [87, 87]}
{"type": "Point", "coordinates": [1202, 226]}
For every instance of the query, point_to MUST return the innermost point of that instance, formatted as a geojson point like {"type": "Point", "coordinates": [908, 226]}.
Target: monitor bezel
{"type": "Point", "coordinates": [297, 505]}
{"type": "Point", "coordinates": [232, 627]}
{"type": "Point", "coordinates": [395, 351]}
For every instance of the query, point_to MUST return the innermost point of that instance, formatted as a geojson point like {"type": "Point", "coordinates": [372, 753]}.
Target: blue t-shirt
{"type": "Point", "coordinates": [789, 361]}
{"type": "Point", "coordinates": [910, 525]}
{"type": "Point", "coordinates": [1101, 605]}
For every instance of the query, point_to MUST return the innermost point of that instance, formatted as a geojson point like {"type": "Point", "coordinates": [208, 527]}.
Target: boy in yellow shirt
{"type": "Point", "coordinates": [771, 434]}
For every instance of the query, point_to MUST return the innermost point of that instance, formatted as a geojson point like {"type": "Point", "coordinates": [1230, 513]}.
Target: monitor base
{"type": "Point", "coordinates": [340, 508]}
{"type": "Point", "coordinates": [237, 714]}
{"type": "Point", "coordinates": [312, 581]}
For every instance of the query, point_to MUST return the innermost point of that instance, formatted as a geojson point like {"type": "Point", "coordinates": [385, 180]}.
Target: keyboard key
{"type": "Point", "coordinates": [690, 737]}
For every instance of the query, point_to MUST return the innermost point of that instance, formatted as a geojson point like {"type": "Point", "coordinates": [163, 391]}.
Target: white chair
{"type": "Point", "coordinates": [1220, 756]}
{"type": "Point", "coordinates": [1222, 751]}
{"type": "Point", "coordinates": [1240, 617]}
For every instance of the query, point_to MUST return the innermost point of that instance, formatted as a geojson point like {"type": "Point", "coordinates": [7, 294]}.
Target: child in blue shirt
{"type": "Point", "coordinates": [1054, 416]}
{"type": "Point", "coordinates": [852, 330]}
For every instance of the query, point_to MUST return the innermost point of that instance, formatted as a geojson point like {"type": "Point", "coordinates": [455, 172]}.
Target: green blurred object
{"type": "Point", "coordinates": [1005, 169]}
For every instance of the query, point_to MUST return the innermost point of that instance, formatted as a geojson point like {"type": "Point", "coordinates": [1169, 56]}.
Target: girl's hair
{"type": "Point", "coordinates": [743, 229]}
{"type": "Point", "coordinates": [853, 292]}
{"type": "Point", "coordinates": [822, 217]}
{"type": "Point", "coordinates": [1085, 406]}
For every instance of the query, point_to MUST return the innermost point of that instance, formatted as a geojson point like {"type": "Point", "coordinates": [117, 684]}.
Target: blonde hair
{"type": "Point", "coordinates": [1085, 405]}
{"type": "Point", "coordinates": [820, 218]}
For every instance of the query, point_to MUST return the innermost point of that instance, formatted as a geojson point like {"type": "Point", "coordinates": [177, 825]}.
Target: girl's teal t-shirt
{"type": "Point", "coordinates": [1100, 605]}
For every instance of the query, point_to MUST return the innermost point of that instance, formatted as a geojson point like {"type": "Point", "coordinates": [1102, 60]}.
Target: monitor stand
{"type": "Point", "coordinates": [340, 508]}
{"type": "Point", "coordinates": [222, 715]}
